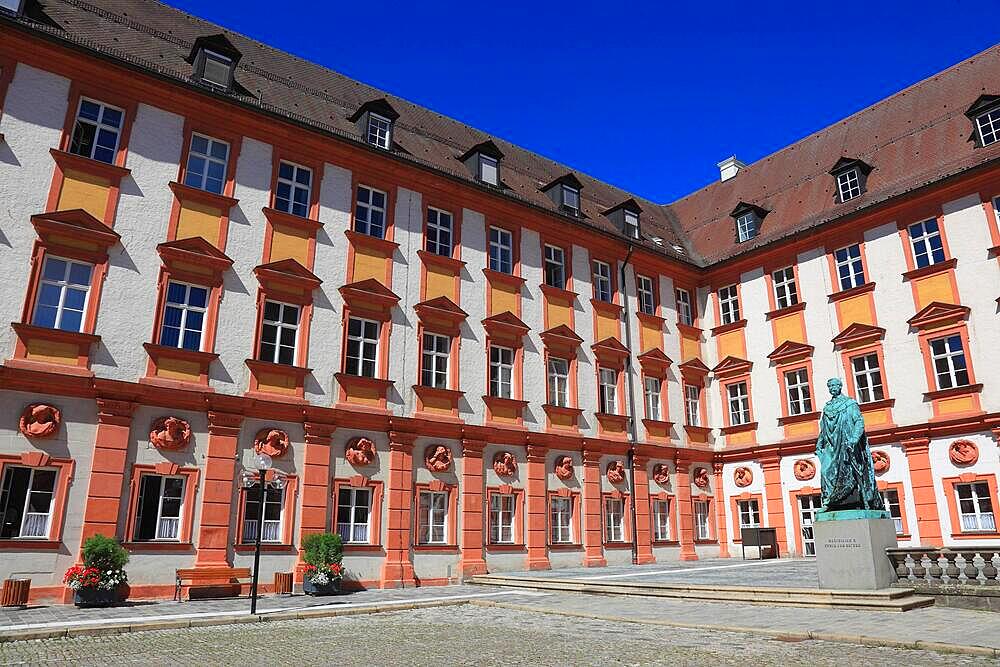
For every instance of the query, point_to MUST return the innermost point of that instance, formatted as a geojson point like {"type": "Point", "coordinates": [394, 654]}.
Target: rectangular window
{"type": "Point", "coordinates": [785, 292]}
{"type": "Point", "coordinates": [609, 391]}
{"type": "Point", "coordinates": [558, 370]}
{"type": "Point", "coordinates": [646, 294]}
{"type": "Point", "coordinates": [379, 129]}
{"type": "Point", "coordinates": [432, 518]}
{"type": "Point", "coordinates": [362, 347]}
{"type": "Point", "coordinates": [925, 238]}
{"type": "Point", "coordinates": [631, 224]}
{"type": "Point", "coordinates": [274, 500]}
{"type": "Point", "coordinates": [651, 389]}
{"type": "Point", "coordinates": [746, 227]}
{"type": "Point", "coordinates": [891, 499]}
{"type": "Point", "coordinates": [501, 251]}
{"type": "Point", "coordinates": [692, 404]}
{"type": "Point", "coordinates": [975, 508]}
{"type": "Point", "coordinates": [749, 512]}
{"type": "Point", "coordinates": [206, 165]}
{"type": "Point", "coordinates": [294, 189]}
{"type": "Point", "coordinates": [614, 520]}
{"type": "Point", "coordinates": [850, 269]}
{"type": "Point", "coordinates": [570, 198]}
{"type": "Point", "coordinates": [949, 362]}
{"type": "Point", "coordinates": [434, 371]}
{"type": "Point", "coordinates": [561, 520]}
{"type": "Point", "coordinates": [369, 214]}
{"type": "Point", "coordinates": [729, 304]}
{"type": "Point", "coordinates": [989, 127]}
{"type": "Point", "coordinates": [96, 131]}
{"type": "Point", "coordinates": [216, 68]}
{"type": "Point", "coordinates": [158, 516]}
{"type": "Point", "coordinates": [849, 185]}
{"type": "Point", "coordinates": [354, 508]}
{"type": "Point", "coordinates": [661, 520]}
{"type": "Point", "coordinates": [797, 392]}
{"type": "Point", "coordinates": [502, 518]}
{"type": "Point", "coordinates": [184, 316]}
{"type": "Point", "coordinates": [501, 371]}
{"type": "Point", "coordinates": [702, 528]}
{"type": "Point", "coordinates": [685, 314]}
{"type": "Point", "coordinates": [867, 378]}
{"type": "Point", "coordinates": [26, 502]}
{"type": "Point", "coordinates": [739, 403]}
{"type": "Point", "coordinates": [439, 232]}
{"type": "Point", "coordinates": [602, 281]}
{"type": "Point", "coordinates": [555, 267]}
{"type": "Point", "coordinates": [279, 333]}
{"type": "Point", "coordinates": [489, 171]}
{"type": "Point", "coordinates": [62, 294]}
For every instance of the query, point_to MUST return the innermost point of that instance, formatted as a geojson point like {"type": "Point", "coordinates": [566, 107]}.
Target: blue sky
{"type": "Point", "coordinates": [646, 96]}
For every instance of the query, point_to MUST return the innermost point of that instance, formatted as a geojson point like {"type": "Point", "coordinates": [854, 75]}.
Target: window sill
{"type": "Point", "coordinates": [500, 402]}
{"type": "Point", "coordinates": [264, 373]}
{"type": "Point", "coordinates": [689, 330]}
{"type": "Point", "coordinates": [436, 548]}
{"type": "Point", "coordinates": [154, 546]}
{"type": "Point", "coordinates": [798, 419]}
{"type": "Point", "coordinates": [607, 308]}
{"type": "Point", "coordinates": [266, 548]}
{"type": "Point", "coordinates": [382, 246]}
{"type": "Point", "coordinates": [276, 217]}
{"type": "Point", "coordinates": [111, 172]}
{"type": "Point", "coordinates": [666, 543]}
{"type": "Point", "coordinates": [617, 545]}
{"type": "Point", "coordinates": [707, 541]}
{"type": "Point", "coordinates": [848, 293]}
{"type": "Point", "coordinates": [557, 293]}
{"type": "Point", "coordinates": [650, 320]}
{"type": "Point", "coordinates": [953, 391]}
{"type": "Point", "coordinates": [159, 353]}
{"type": "Point", "coordinates": [362, 548]}
{"type": "Point", "coordinates": [787, 310]}
{"type": "Point", "coordinates": [434, 402]}
{"type": "Point", "coordinates": [29, 543]}
{"type": "Point", "coordinates": [565, 546]}
{"type": "Point", "coordinates": [657, 424]}
{"type": "Point", "coordinates": [348, 380]}
{"type": "Point", "coordinates": [508, 279]}
{"type": "Point", "coordinates": [26, 358]}
{"type": "Point", "coordinates": [726, 328]}
{"type": "Point", "coordinates": [551, 409]}
{"type": "Point", "coordinates": [188, 193]}
{"type": "Point", "coordinates": [702, 431]}
{"type": "Point", "coordinates": [877, 405]}
{"type": "Point", "coordinates": [448, 263]}
{"type": "Point", "coordinates": [739, 428]}
{"type": "Point", "coordinates": [924, 271]}
{"type": "Point", "coordinates": [505, 548]}
{"type": "Point", "coordinates": [970, 535]}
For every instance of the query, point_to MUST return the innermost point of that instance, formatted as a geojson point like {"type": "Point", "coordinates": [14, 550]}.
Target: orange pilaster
{"type": "Point", "coordinates": [107, 479]}
{"type": "Point", "coordinates": [217, 495]}
{"type": "Point", "coordinates": [593, 534]}
{"type": "Point", "coordinates": [720, 513]}
{"type": "Point", "coordinates": [774, 497]}
{"type": "Point", "coordinates": [471, 561]}
{"type": "Point", "coordinates": [316, 475]}
{"type": "Point", "coordinates": [535, 500]}
{"type": "Point", "coordinates": [397, 569]}
{"type": "Point", "coordinates": [643, 530]}
{"type": "Point", "coordinates": [685, 517]}
{"type": "Point", "coordinates": [924, 498]}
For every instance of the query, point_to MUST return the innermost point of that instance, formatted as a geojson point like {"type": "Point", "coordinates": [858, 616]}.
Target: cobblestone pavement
{"type": "Point", "coordinates": [466, 635]}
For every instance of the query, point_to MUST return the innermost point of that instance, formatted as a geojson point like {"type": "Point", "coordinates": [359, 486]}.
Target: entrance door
{"type": "Point", "coordinates": [808, 506]}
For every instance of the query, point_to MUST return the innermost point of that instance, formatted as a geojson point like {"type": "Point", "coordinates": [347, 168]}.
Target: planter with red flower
{"type": "Point", "coordinates": [101, 580]}
{"type": "Point", "coordinates": [322, 553]}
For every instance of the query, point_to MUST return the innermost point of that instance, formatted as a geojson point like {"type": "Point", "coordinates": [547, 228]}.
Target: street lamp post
{"type": "Point", "coordinates": [264, 464]}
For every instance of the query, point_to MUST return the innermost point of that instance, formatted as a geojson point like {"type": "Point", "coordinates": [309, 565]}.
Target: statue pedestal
{"type": "Point", "coordinates": [850, 549]}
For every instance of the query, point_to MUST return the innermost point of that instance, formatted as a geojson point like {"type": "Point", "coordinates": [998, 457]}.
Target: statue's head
{"type": "Point", "coordinates": [834, 385]}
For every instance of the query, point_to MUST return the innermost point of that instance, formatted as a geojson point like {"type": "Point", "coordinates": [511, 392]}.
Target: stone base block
{"type": "Point", "coordinates": [850, 553]}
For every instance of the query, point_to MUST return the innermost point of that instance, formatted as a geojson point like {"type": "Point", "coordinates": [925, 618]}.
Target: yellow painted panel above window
{"type": "Point", "coordinates": [86, 191]}
{"type": "Point", "coordinates": [196, 219]}
{"type": "Point", "coordinates": [690, 348]}
{"type": "Point", "coordinates": [289, 243]}
{"type": "Point", "coordinates": [440, 282]}
{"type": "Point", "coordinates": [790, 328]}
{"type": "Point", "coordinates": [607, 327]}
{"type": "Point", "coordinates": [651, 336]}
{"type": "Point", "coordinates": [503, 298]}
{"type": "Point", "coordinates": [935, 288]}
{"type": "Point", "coordinates": [857, 309]}
{"type": "Point", "coordinates": [559, 313]}
{"type": "Point", "coordinates": [731, 344]}
{"type": "Point", "coordinates": [368, 263]}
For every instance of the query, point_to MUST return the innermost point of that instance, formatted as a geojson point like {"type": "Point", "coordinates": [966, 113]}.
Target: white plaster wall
{"type": "Point", "coordinates": [790, 484]}
{"type": "Point", "coordinates": [710, 357]}
{"type": "Point", "coordinates": [729, 490]}
{"type": "Point", "coordinates": [942, 467]}
{"type": "Point", "coordinates": [820, 320]}
{"type": "Point", "coordinates": [899, 471]}
{"type": "Point", "coordinates": [584, 327]}
{"type": "Point", "coordinates": [404, 350]}
{"type": "Point", "coordinates": [533, 314]}
{"type": "Point", "coordinates": [765, 387]}
{"type": "Point", "coordinates": [631, 303]}
{"type": "Point", "coordinates": [473, 368]}
{"type": "Point", "coordinates": [672, 348]}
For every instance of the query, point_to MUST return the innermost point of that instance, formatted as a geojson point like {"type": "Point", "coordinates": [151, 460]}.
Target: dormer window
{"type": "Point", "coordinates": [848, 185]}
{"type": "Point", "coordinates": [379, 130]}
{"type": "Point", "coordinates": [851, 176]}
{"type": "Point", "coordinates": [570, 199]}
{"type": "Point", "coordinates": [376, 122]}
{"type": "Point", "coordinates": [985, 116]}
{"type": "Point", "coordinates": [489, 169]}
{"type": "Point", "coordinates": [214, 59]}
{"type": "Point", "coordinates": [217, 69]}
{"type": "Point", "coordinates": [13, 6]}
{"type": "Point", "coordinates": [483, 162]}
{"type": "Point", "coordinates": [631, 224]}
{"type": "Point", "coordinates": [565, 193]}
{"type": "Point", "coordinates": [748, 220]}
{"type": "Point", "coordinates": [625, 216]}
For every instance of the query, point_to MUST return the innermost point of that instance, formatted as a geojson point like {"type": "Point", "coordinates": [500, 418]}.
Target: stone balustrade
{"type": "Point", "coordinates": [960, 577]}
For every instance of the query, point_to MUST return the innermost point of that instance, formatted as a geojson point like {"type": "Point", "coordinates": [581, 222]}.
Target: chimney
{"type": "Point", "coordinates": [729, 168]}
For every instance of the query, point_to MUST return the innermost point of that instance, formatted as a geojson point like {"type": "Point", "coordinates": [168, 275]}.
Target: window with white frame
{"type": "Point", "coordinates": [948, 356]}
{"type": "Point", "coordinates": [489, 169]}
{"type": "Point", "coordinates": [294, 188]}
{"type": "Point", "coordinates": [354, 509]}
{"type": "Point", "coordinates": [279, 333]}
{"type": "Point", "coordinates": [614, 520]}
{"type": "Point", "coordinates": [206, 164]}
{"type": "Point", "coordinates": [13, 6]}
{"type": "Point", "coordinates": [560, 520]}
{"type": "Point", "coordinates": [988, 125]}
{"type": "Point", "coordinates": [661, 520]}
{"type": "Point", "coordinates": [631, 224]}
{"type": "Point", "coordinates": [925, 240]}
{"type": "Point", "coordinates": [746, 226]}
{"type": "Point", "coordinates": [651, 390]}
{"type": "Point", "coordinates": [850, 268]}
{"type": "Point", "coordinates": [555, 267]}
{"type": "Point", "coordinates": [434, 369]}
{"type": "Point", "coordinates": [501, 371]}
{"type": "Point", "coordinates": [785, 292]}
{"type": "Point", "coordinates": [749, 511]}
{"type": "Point", "coordinates": [891, 499]}
{"type": "Point", "coordinates": [369, 212]}
{"type": "Point", "coordinates": [609, 390]}
{"type": "Point", "coordinates": [849, 184]}
{"type": "Point", "coordinates": [602, 281]}
{"type": "Point", "coordinates": [274, 500]}
{"type": "Point", "coordinates": [797, 392]}
{"type": "Point", "coordinates": [558, 372]}
{"type": "Point", "coordinates": [646, 294]}
{"type": "Point", "coordinates": [184, 316]}
{"type": "Point", "coordinates": [729, 304]}
{"type": "Point", "coordinates": [975, 508]}
{"type": "Point", "coordinates": [362, 347]}
{"type": "Point", "coordinates": [692, 405]}
{"type": "Point", "coordinates": [379, 130]}
{"type": "Point", "coordinates": [571, 198]}
{"type": "Point", "coordinates": [702, 527]}
{"type": "Point", "coordinates": [867, 378]}
{"type": "Point", "coordinates": [502, 518]}
{"type": "Point", "coordinates": [685, 314]}
{"type": "Point", "coordinates": [96, 131]}
{"type": "Point", "coordinates": [432, 517]}
{"type": "Point", "coordinates": [216, 68]}
{"type": "Point", "coordinates": [62, 294]}
{"type": "Point", "coordinates": [439, 232]}
{"type": "Point", "coordinates": [501, 250]}
{"type": "Point", "coordinates": [158, 514]}
{"type": "Point", "coordinates": [739, 403]}
{"type": "Point", "coordinates": [26, 496]}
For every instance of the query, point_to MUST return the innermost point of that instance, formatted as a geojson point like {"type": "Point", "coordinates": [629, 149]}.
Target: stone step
{"type": "Point", "coordinates": [889, 599]}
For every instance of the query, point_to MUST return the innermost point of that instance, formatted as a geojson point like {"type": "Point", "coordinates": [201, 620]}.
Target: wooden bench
{"type": "Point", "coordinates": [209, 580]}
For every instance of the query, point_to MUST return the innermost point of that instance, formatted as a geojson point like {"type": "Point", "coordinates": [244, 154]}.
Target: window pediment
{"type": "Point", "coordinates": [196, 258]}
{"type": "Point", "coordinates": [69, 228]}
{"type": "Point", "coordinates": [610, 352]}
{"type": "Point", "coordinates": [858, 334]}
{"type": "Point", "coordinates": [289, 279]}
{"type": "Point", "coordinates": [561, 338]}
{"type": "Point", "coordinates": [694, 369]}
{"type": "Point", "coordinates": [790, 350]}
{"type": "Point", "coordinates": [655, 362]}
{"type": "Point", "coordinates": [506, 326]}
{"type": "Point", "coordinates": [371, 297]}
{"type": "Point", "coordinates": [937, 314]}
{"type": "Point", "coordinates": [440, 314]}
{"type": "Point", "coordinates": [731, 366]}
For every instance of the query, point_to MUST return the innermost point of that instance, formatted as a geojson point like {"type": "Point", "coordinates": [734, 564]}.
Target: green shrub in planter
{"type": "Point", "coordinates": [101, 580]}
{"type": "Point", "coordinates": [323, 571]}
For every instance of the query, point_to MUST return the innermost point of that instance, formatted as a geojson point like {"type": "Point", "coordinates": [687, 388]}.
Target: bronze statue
{"type": "Point", "coordinates": [847, 473]}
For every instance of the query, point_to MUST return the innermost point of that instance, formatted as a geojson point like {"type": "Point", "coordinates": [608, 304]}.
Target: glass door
{"type": "Point", "coordinates": [808, 506]}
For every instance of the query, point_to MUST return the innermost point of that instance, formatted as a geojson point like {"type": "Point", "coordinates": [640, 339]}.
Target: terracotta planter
{"type": "Point", "coordinates": [332, 588]}
{"type": "Point", "coordinates": [15, 592]}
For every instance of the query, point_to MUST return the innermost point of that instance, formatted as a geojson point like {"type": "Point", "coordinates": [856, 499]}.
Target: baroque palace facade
{"type": "Point", "coordinates": [464, 356]}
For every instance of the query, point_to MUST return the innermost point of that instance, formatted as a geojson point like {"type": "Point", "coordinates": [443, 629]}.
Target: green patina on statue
{"type": "Point", "coordinates": [847, 473]}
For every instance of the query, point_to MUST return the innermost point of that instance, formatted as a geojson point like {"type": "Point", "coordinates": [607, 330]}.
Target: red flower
{"type": "Point", "coordinates": [336, 568]}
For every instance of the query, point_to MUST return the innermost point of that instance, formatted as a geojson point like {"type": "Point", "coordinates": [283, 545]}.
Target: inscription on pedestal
{"type": "Point", "coordinates": [850, 554]}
